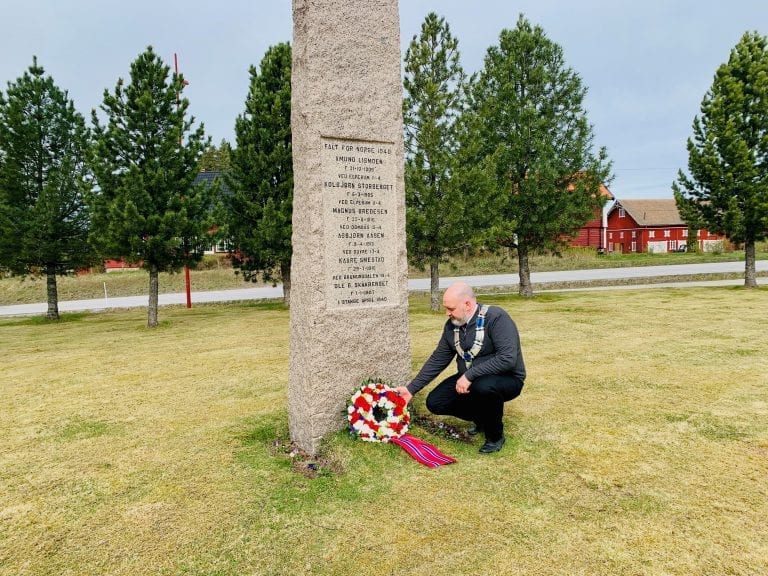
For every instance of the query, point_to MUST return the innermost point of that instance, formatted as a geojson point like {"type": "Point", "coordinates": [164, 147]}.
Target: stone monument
{"type": "Point", "coordinates": [349, 275]}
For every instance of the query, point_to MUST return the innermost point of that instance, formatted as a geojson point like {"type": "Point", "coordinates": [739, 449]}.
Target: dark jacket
{"type": "Point", "coordinates": [500, 353]}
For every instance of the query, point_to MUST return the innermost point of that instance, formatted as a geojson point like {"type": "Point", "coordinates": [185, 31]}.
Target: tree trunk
{"type": "Point", "coordinates": [154, 288]}
{"type": "Point", "coordinates": [434, 285]}
{"type": "Point", "coordinates": [692, 242]}
{"type": "Point", "coordinates": [524, 271]}
{"type": "Point", "coordinates": [285, 274]}
{"type": "Point", "coordinates": [750, 278]}
{"type": "Point", "coordinates": [53, 296]}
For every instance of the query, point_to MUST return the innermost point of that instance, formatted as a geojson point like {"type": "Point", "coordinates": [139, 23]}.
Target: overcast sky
{"type": "Point", "coordinates": [646, 65]}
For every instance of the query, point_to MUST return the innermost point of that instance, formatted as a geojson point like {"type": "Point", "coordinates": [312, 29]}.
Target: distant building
{"type": "Point", "coordinates": [121, 266]}
{"type": "Point", "coordinates": [592, 234]}
{"type": "Point", "coordinates": [208, 177]}
{"type": "Point", "coordinates": [655, 226]}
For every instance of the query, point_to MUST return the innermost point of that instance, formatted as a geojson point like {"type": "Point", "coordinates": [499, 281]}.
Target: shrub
{"type": "Point", "coordinates": [214, 262]}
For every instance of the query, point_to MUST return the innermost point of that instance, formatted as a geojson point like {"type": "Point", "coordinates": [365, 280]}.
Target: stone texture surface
{"type": "Point", "coordinates": [346, 90]}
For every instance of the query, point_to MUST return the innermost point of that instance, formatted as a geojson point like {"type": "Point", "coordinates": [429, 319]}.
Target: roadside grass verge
{"type": "Point", "coordinates": [115, 284]}
{"type": "Point", "coordinates": [222, 277]}
{"type": "Point", "coordinates": [578, 259]}
{"type": "Point", "coordinates": [639, 446]}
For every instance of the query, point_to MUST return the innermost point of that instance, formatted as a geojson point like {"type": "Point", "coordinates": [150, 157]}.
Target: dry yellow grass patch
{"type": "Point", "coordinates": [639, 446]}
{"type": "Point", "coordinates": [120, 443]}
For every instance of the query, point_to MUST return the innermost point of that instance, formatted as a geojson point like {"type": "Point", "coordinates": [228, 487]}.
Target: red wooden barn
{"type": "Point", "coordinates": [652, 226]}
{"type": "Point", "coordinates": [592, 234]}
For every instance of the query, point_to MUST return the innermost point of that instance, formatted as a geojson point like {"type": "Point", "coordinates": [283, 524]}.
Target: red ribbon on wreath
{"type": "Point", "coordinates": [422, 451]}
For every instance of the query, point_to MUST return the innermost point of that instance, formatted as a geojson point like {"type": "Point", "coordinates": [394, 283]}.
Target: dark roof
{"type": "Point", "coordinates": [652, 212]}
{"type": "Point", "coordinates": [208, 177]}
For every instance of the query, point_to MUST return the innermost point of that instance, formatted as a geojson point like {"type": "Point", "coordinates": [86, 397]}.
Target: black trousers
{"type": "Point", "coordinates": [484, 405]}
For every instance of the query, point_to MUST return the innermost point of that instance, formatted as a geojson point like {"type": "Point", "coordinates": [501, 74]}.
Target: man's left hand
{"type": "Point", "coordinates": [462, 385]}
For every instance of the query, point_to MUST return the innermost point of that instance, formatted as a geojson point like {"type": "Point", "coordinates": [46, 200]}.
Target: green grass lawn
{"type": "Point", "coordinates": [639, 446]}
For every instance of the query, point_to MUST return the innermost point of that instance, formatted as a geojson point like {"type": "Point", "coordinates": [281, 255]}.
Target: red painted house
{"type": "Point", "coordinates": [120, 266]}
{"type": "Point", "coordinates": [655, 226]}
{"type": "Point", "coordinates": [592, 234]}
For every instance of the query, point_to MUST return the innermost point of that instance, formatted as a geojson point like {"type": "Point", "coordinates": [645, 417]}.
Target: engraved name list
{"type": "Point", "coordinates": [359, 215]}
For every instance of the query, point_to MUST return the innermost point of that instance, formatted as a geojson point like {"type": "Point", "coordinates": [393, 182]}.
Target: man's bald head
{"type": "Point", "coordinates": [459, 302]}
{"type": "Point", "coordinates": [460, 290]}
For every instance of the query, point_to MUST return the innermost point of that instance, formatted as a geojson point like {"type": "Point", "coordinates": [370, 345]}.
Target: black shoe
{"type": "Point", "coordinates": [490, 447]}
{"type": "Point", "coordinates": [474, 430]}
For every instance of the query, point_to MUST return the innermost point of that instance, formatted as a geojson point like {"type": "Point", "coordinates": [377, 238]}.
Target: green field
{"type": "Point", "coordinates": [639, 446]}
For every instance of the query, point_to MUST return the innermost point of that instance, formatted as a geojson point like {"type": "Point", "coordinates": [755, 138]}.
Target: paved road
{"type": "Point", "coordinates": [492, 280]}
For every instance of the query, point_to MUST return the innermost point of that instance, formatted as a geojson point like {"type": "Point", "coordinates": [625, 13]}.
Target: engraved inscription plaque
{"type": "Point", "coordinates": [359, 210]}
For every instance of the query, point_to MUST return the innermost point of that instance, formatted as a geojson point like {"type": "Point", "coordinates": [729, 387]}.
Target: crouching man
{"type": "Point", "coordinates": [485, 342]}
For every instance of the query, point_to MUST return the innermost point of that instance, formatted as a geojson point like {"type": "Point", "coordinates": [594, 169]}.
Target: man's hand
{"type": "Point", "coordinates": [403, 392]}
{"type": "Point", "coordinates": [462, 385]}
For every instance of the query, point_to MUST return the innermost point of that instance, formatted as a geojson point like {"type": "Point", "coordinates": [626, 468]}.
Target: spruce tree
{"type": "Point", "coordinates": [534, 127]}
{"type": "Point", "coordinates": [145, 159]}
{"type": "Point", "coordinates": [44, 221]}
{"type": "Point", "coordinates": [260, 205]}
{"type": "Point", "coordinates": [728, 155]}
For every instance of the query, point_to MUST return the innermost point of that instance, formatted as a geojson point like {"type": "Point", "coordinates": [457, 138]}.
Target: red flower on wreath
{"type": "Point", "coordinates": [377, 413]}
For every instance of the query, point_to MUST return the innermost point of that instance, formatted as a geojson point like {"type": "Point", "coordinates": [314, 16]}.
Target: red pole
{"type": "Point", "coordinates": [187, 283]}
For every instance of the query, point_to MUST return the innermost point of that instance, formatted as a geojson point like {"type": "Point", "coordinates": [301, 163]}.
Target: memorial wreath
{"type": "Point", "coordinates": [377, 413]}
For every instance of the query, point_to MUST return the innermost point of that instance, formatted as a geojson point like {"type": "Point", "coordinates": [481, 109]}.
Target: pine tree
{"type": "Point", "coordinates": [444, 192]}
{"type": "Point", "coordinates": [690, 215]}
{"type": "Point", "coordinates": [44, 221]}
{"type": "Point", "coordinates": [728, 154]}
{"type": "Point", "coordinates": [216, 159]}
{"type": "Point", "coordinates": [534, 127]}
{"type": "Point", "coordinates": [145, 159]}
{"type": "Point", "coordinates": [260, 206]}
